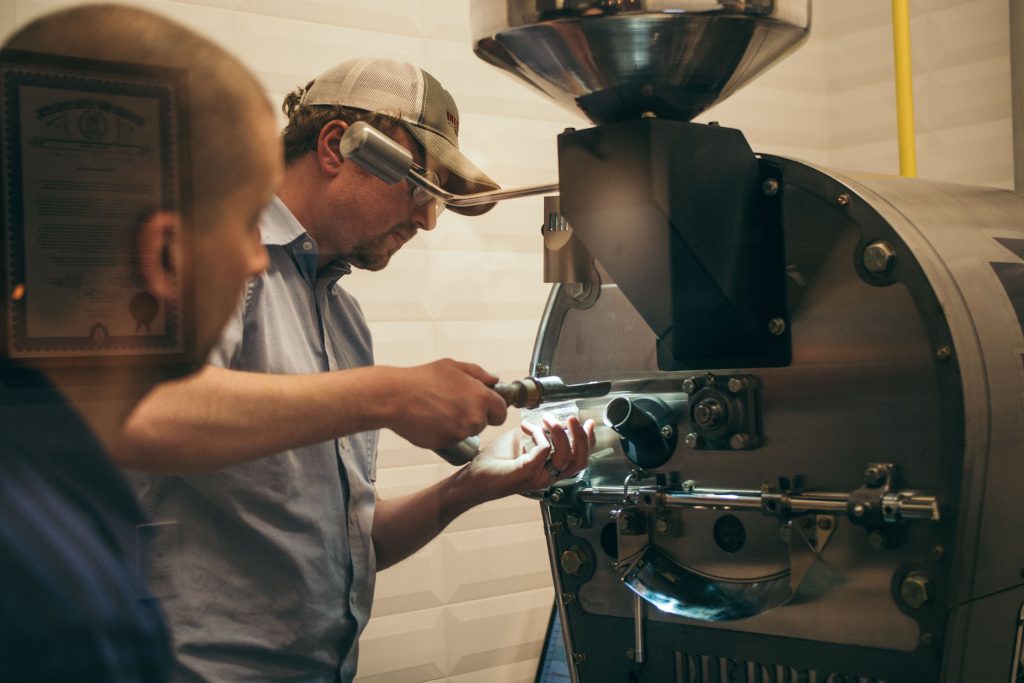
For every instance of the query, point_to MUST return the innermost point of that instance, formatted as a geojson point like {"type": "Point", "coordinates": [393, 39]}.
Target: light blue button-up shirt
{"type": "Point", "coordinates": [269, 572]}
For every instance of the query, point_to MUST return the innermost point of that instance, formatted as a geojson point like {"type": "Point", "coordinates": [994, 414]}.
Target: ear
{"type": "Point", "coordinates": [328, 155]}
{"type": "Point", "coordinates": [160, 254]}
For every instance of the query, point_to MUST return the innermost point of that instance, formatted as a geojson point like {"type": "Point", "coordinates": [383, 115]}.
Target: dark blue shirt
{"type": "Point", "coordinates": [72, 605]}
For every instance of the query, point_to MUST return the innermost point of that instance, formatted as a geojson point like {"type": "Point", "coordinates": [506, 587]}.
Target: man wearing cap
{"type": "Point", "coordinates": [263, 463]}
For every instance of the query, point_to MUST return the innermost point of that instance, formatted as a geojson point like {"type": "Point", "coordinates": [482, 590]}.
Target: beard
{"type": "Point", "coordinates": [374, 254]}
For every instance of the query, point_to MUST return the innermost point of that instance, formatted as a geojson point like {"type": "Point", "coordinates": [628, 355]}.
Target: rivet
{"type": "Point", "coordinates": [843, 199]}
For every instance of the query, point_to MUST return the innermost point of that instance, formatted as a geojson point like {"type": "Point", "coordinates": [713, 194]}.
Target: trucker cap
{"type": "Point", "coordinates": [413, 96]}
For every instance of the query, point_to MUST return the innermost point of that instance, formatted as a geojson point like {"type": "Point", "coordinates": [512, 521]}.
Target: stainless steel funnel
{"type": "Point", "coordinates": [616, 60]}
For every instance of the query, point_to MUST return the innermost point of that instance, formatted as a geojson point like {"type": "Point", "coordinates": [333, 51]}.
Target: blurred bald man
{"type": "Point", "coordinates": [72, 603]}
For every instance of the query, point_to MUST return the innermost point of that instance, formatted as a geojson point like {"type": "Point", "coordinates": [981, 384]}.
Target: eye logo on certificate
{"type": "Point", "coordinates": [89, 150]}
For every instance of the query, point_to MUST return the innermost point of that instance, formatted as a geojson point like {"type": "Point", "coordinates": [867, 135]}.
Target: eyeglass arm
{"type": "Point", "coordinates": [392, 163]}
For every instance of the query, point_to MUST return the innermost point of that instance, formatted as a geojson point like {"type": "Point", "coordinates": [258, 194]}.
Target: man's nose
{"type": "Point", "coordinates": [425, 215]}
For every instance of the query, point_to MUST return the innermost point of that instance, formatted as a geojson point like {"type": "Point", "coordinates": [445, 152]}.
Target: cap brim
{"type": "Point", "coordinates": [464, 176]}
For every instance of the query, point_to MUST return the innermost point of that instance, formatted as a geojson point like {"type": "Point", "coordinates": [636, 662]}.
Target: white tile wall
{"type": "Point", "coordinates": [471, 606]}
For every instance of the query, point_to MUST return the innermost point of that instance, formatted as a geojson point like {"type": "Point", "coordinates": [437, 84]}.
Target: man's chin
{"type": "Point", "coordinates": [371, 262]}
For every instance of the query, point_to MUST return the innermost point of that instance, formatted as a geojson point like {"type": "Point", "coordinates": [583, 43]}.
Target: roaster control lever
{"type": "Point", "coordinates": [528, 392]}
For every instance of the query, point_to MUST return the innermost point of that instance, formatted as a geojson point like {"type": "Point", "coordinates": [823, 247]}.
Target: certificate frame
{"type": "Point", "coordinates": [88, 148]}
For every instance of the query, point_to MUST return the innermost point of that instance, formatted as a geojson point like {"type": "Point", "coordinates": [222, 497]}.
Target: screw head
{"type": "Point", "coordinates": [943, 353]}
{"type": "Point", "coordinates": [737, 385]}
{"type": "Point", "coordinates": [541, 370]}
{"type": "Point", "coordinates": [568, 598]}
{"type": "Point", "coordinates": [859, 509]}
{"type": "Point", "coordinates": [556, 496]}
{"type": "Point", "coordinates": [579, 658]}
{"type": "Point", "coordinates": [874, 476]}
{"type": "Point", "coordinates": [824, 523]}
{"type": "Point", "coordinates": [691, 440]}
{"type": "Point", "coordinates": [689, 386]}
{"type": "Point", "coordinates": [573, 520]}
{"type": "Point", "coordinates": [937, 552]}
{"type": "Point", "coordinates": [770, 187]}
{"type": "Point", "coordinates": [555, 528]}
{"type": "Point", "coordinates": [667, 431]}
{"type": "Point", "coordinates": [776, 326]}
{"type": "Point", "coordinates": [663, 525]}
{"type": "Point", "coordinates": [739, 441]}
{"type": "Point", "coordinates": [843, 199]}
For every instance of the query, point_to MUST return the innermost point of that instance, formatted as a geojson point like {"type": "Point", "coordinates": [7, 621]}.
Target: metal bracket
{"type": "Point", "coordinates": [724, 412]}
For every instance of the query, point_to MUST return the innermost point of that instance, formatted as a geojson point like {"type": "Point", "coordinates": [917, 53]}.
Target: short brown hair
{"type": "Point", "coordinates": [306, 121]}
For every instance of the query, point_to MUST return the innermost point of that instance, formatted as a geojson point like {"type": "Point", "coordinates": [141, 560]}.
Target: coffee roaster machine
{"type": "Point", "coordinates": [812, 453]}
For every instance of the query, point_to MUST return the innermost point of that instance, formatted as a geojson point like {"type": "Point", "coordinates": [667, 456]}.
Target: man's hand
{"type": "Point", "coordinates": [443, 402]}
{"type": "Point", "coordinates": [532, 458]}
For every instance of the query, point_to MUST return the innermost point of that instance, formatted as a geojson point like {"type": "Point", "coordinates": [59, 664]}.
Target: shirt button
{"type": "Point", "coordinates": [307, 246]}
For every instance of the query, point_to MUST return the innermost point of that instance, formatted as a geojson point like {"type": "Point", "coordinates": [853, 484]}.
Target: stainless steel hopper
{"type": "Point", "coordinates": [615, 60]}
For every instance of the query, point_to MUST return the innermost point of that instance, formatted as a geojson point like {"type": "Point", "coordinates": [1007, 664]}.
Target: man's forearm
{"type": "Point", "coordinates": [403, 525]}
{"type": "Point", "coordinates": [217, 417]}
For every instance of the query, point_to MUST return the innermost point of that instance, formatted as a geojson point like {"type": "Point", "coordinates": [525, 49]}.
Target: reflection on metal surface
{"type": "Point", "coordinates": [615, 61]}
{"type": "Point", "coordinates": [675, 589]}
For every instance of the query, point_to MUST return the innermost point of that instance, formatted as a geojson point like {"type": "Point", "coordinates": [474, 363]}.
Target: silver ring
{"type": "Point", "coordinates": [551, 469]}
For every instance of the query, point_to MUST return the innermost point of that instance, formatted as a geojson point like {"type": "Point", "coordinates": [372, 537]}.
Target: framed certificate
{"type": "Point", "coordinates": [89, 149]}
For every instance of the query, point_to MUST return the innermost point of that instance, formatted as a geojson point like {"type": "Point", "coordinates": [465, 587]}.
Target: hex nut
{"type": "Point", "coordinates": [917, 590]}
{"type": "Point", "coordinates": [879, 257]}
{"type": "Point", "coordinates": [574, 561]}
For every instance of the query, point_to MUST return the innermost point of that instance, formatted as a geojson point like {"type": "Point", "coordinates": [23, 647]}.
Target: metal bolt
{"type": "Point", "coordinates": [708, 413]}
{"type": "Point", "coordinates": [936, 552]}
{"type": "Point", "coordinates": [879, 540]}
{"type": "Point", "coordinates": [859, 509]}
{"type": "Point", "coordinates": [568, 598]}
{"type": "Point", "coordinates": [770, 187]}
{"type": "Point", "coordinates": [556, 496]}
{"type": "Point", "coordinates": [879, 257]}
{"type": "Point", "coordinates": [663, 525]}
{"type": "Point", "coordinates": [824, 523]}
{"type": "Point", "coordinates": [739, 441]}
{"type": "Point", "coordinates": [916, 589]}
{"type": "Point", "coordinates": [573, 561]}
{"type": "Point", "coordinates": [689, 386]}
{"type": "Point", "coordinates": [691, 440]}
{"type": "Point", "coordinates": [666, 432]}
{"type": "Point", "coordinates": [943, 353]}
{"type": "Point", "coordinates": [843, 199]}
{"type": "Point", "coordinates": [579, 658]}
{"type": "Point", "coordinates": [573, 520]}
{"type": "Point", "coordinates": [777, 326]}
{"type": "Point", "coordinates": [555, 528]}
{"type": "Point", "coordinates": [874, 476]}
{"type": "Point", "coordinates": [737, 385]}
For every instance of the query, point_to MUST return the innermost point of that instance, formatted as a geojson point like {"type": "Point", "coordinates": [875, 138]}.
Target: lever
{"type": "Point", "coordinates": [528, 392]}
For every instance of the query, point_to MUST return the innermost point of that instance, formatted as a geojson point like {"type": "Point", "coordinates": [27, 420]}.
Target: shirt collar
{"type": "Point", "coordinates": [280, 227]}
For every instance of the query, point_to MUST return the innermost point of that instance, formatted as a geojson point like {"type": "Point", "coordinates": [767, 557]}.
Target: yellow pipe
{"type": "Point", "coordinates": [904, 87]}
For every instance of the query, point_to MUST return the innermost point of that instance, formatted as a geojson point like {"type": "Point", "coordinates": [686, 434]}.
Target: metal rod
{"type": "Point", "coordinates": [638, 628]}
{"type": "Point", "coordinates": [910, 506]}
{"type": "Point", "coordinates": [478, 197]}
